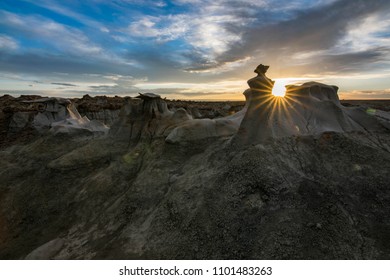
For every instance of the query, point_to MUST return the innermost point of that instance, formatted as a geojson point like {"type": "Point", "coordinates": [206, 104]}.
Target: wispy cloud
{"type": "Point", "coordinates": [365, 94]}
{"type": "Point", "coordinates": [61, 37]}
{"type": "Point", "coordinates": [151, 27]}
{"type": "Point", "coordinates": [64, 84]}
{"type": "Point", "coordinates": [372, 31]}
{"type": "Point", "coordinates": [218, 68]}
{"type": "Point", "coordinates": [65, 10]}
{"type": "Point", "coordinates": [8, 43]}
{"type": "Point", "coordinates": [118, 85]}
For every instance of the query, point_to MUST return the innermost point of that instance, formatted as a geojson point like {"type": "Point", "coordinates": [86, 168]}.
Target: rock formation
{"type": "Point", "coordinates": [57, 115]}
{"type": "Point", "coordinates": [259, 108]}
{"type": "Point", "coordinates": [307, 180]}
{"type": "Point", "coordinates": [148, 119]}
{"type": "Point", "coordinates": [17, 114]}
{"type": "Point", "coordinates": [308, 109]}
{"type": "Point", "coordinates": [102, 108]}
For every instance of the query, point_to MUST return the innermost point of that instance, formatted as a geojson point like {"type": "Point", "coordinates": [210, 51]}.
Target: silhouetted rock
{"type": "Point", "coordinates": [261, 85]}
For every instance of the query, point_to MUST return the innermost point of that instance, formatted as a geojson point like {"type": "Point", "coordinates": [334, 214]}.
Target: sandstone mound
{"type": "Point", "coordinates": [308, 109]}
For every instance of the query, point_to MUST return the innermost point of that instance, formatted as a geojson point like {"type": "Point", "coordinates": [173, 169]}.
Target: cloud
{"type": "Point", "coordinates": [46, 64]}
{"type": "Point", "coordinates": [8, 43]}
{"type": "Point", "coordinates": [316, 29]}
{"type": "Point", "coordinates": [143, 3]}
{"type": "Point", "coordinates": [78, 85]}
{"type": "Point", "coordinates": [68, 12]}
{"type": "Point", "coordinates": [199, 90]}
{"type": "Point", "coordinates": [326, 63]}
{"type": "Point", "coordinates": [161, 28]}
{"type": "Point", "coordinates": [118, 84]}
{"type": "Point", "coordinates": [204, 32]}
{"type": "Point", "coordinates": [205, 37]}
{"type": "Point", "coordinates": [370, 32]}
{"type": "Point", "coordinates": [365, 94]}
{"type": "Point", "coordinates": [63, 38]}
{"type": "Point", "coordinates": [205, 67]}
{"type": "Point", "coordinates": [64, 84]}
{"type": "Point", "coordinates": [224, 33]}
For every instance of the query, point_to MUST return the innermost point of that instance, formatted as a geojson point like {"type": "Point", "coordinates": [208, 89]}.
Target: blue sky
{"type": "Point", "coordinates": [192, 49]}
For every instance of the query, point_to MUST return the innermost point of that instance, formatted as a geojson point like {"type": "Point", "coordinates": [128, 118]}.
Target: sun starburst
{"type": "Point", "coordinates": [279, 88]}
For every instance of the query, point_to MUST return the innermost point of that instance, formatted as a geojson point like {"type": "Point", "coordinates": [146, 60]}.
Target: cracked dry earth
{"type": "Point", "coordinates": [300, 197]}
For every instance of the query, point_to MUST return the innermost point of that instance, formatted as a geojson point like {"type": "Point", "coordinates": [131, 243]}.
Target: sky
{"type": "Point", "coordinates": [192, 49]}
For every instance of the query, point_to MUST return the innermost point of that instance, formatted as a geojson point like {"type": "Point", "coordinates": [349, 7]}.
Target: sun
{"type": "Point", "coordinates": [279, 88]}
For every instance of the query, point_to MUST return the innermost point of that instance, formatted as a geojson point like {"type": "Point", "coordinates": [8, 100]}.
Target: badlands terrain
{"type": "Point", "coordinates": [300, 177]}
